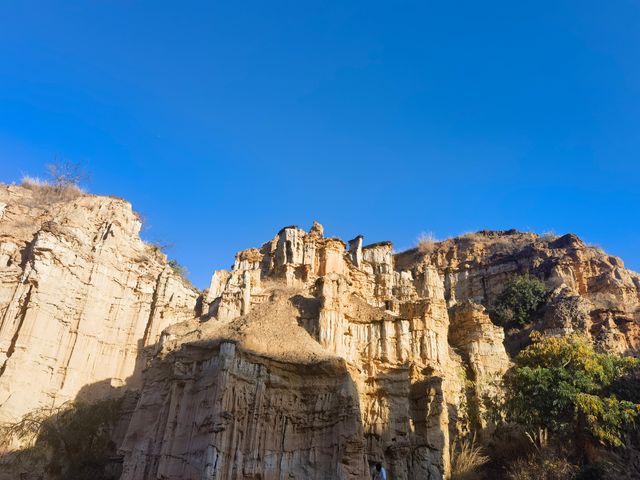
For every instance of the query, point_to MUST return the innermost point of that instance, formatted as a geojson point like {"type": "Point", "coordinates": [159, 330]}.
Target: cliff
{"type": "Point", "coordinates": [81, 296]}
{"type": "Point", "coordinates": [593, 293]}
{"type": "Point", "coordinates": [310, 358]}
{"type": "Point", "coordinates": [313, 361]}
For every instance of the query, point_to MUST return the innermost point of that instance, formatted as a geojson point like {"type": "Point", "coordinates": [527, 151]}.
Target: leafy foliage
{"type": "Point", "coordinates": [563, 384]}
{"type": "Point", "coordinates": [607, 417]}
{"type": "Point", "coordinates": [519, 301]}
{"type": "Point", "coordinates": [70, 441]}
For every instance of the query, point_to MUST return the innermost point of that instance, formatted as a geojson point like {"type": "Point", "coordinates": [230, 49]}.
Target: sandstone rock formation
{"type": "Point", "coordinates": [480, 344]}
{"type": "Point", "coordinates": [80, 297]}
{"type": "Point", "coordinates": [312, 362]}
{"type": "Point", "coordinates": [476, 267]}
{"type": "Point", "coordinates": [408, 327]}
{"type": "Point", "coordinates": [309, 359]}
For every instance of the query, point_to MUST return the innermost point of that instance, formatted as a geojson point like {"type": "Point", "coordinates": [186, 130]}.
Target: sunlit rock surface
{"type": "Point", "coordinates": [80, 297]}
{"type": "Point", "coordinates": [312, 362]}
{"type": "Point", "coordinates": [311, 358]}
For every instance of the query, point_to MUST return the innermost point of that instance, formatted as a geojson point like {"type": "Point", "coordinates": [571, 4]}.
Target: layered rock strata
{"type": "Point", "coordinates": [309, 359]}
{"type": "Point", "coordinates": [81, 296]}
{"type": "Point", "coordinates": [592, 291]}
{"type": "Point", "coordinates": [313, 362]}
{"type": "Point", "coordinates": [409, 329]}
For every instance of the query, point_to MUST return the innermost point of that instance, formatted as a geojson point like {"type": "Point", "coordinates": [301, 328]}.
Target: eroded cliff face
{"type": "Point", "coordinates": [313, 361]}
{"type": "Point", "coordinates": [309, 359]}
{"type": "Point", "coordinates": [593, 293]}
{"type": "Point", "coordinates": [255, 398]}
{"type": "Point", "coordinates": [407, 335]}
{"type": "Point", "coordinates": [80, 297]}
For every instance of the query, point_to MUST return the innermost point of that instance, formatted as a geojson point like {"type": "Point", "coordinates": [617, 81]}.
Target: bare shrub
{"type": "Point", "coordinates": [160, 246]}
{"type": "Point", "coordinates": [65, 173]}
{"type": "Point", "coordinates": [466, 459]}
{"type": "Point", "coordinates": [64, 184]}
{"type": "Point", "coordinates": [426, 243]}
{"type": "Point", "coordinates": [597, 247]}
{"type": "Point", "coordinates": [34, 182]}
{"type": "Point", "coordinates": [157, 248]}
{"type": "Point", "coordinates": [542, 465]}
{"type": "Point", "coordinates": [539, 439]}
{"type": "Point", "coordinates": [179, 269]}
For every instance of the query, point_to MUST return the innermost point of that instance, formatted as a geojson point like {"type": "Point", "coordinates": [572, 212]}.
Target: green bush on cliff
{"type": "Point", "coordinates": [563, 384]}
{"type": "Point", "coordinates": [521, 298]}
{"type": "Point", "coordinates": [179, 269]}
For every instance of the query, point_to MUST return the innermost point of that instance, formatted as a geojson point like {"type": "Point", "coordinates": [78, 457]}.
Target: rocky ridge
{"type": "Point", "coordinates": [593, 293]}
{"type": "Point", "coordinates": [81, 296]}
{"type": "Point", "coordinates": [405, 331]}
{"type": "Point", "coordinates": [310, 358]}
{"type": "Point", "coordinates": [312, 361]}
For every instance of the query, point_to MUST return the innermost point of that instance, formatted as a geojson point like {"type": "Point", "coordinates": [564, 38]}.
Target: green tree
{"type": "Point", "coordinates": [563, 384]}
{"type": "Point", "coordinates": [521, 298]}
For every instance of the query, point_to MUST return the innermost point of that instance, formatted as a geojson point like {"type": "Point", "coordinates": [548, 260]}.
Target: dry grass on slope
{"type": "Point", "coordinates": [270, 329]}
{"type": "Point", "coordinates": [467, 459]}
{"type": "Point", "coordinates": [46, 193]}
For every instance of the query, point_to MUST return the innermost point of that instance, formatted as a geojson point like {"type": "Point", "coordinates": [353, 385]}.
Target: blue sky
{"type": "Point", "coordinates": [224, 121]}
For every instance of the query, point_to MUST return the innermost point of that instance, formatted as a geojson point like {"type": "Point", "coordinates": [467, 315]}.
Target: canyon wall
{"type": "Point", "coordinates": [313, 361]}
{"type": "Point", "coordinates": [81, 296]}
{"type": "Point", "coordinates": [311, 358]}
{"type": "Point", "coordinates": [593, 293]}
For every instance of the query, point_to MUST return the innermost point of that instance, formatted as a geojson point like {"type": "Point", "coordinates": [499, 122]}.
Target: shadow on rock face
{"type": "Point", "coordinates": [78, 439]}
{"type": "Point", "coordinates": [225, 411]}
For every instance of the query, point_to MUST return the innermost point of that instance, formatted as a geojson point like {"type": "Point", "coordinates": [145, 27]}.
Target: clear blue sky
{"type": "Point", "coordinates": [224, 121]}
